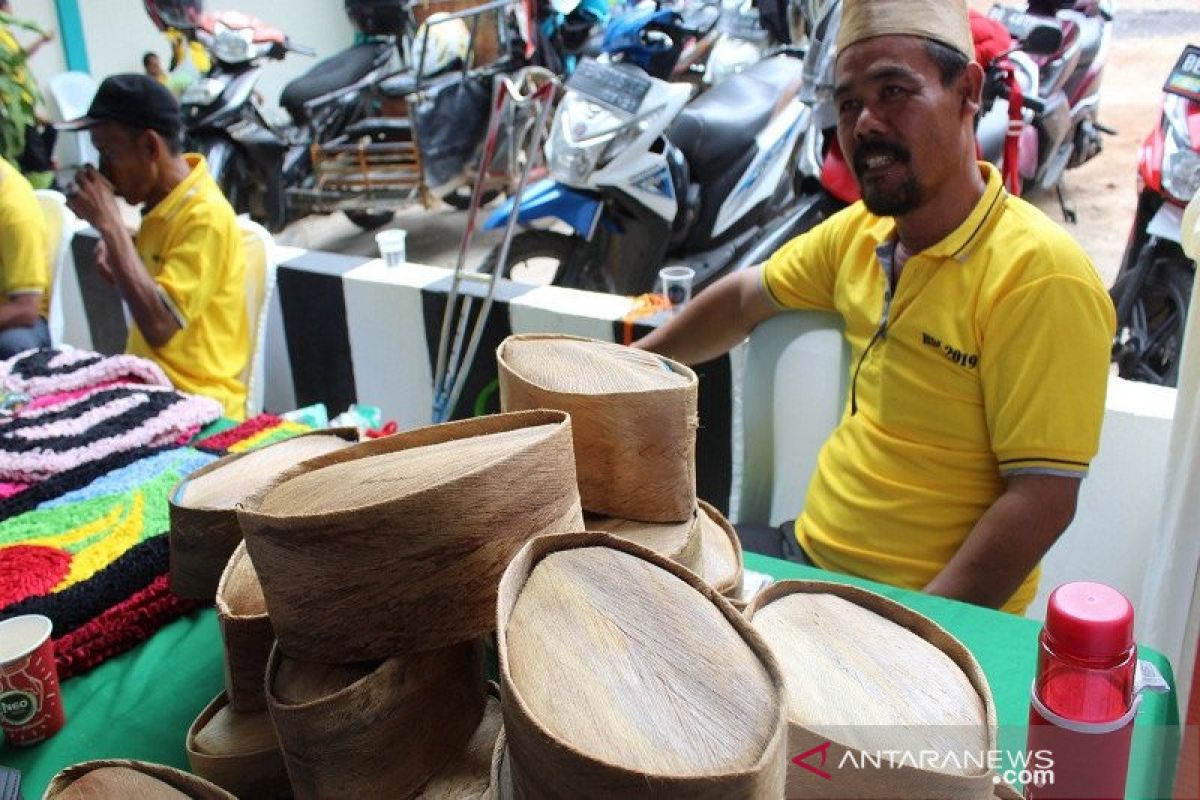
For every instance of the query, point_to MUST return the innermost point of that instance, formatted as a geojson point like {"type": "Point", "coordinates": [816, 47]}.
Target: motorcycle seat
{"type": "Point", "coordinates": [405, 83]}
{"type": "Point", "coordinates": [721, 124]}
{"type": "Point", "coordinates": [331, 74]}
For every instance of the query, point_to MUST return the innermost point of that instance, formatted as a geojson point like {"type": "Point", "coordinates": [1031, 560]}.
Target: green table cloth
{"type": "Point", "coordinates": [140, 704]}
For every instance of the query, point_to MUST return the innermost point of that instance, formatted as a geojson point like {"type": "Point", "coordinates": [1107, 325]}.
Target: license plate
{"type": "Point", "coordinates": [1185, 77]}
{"type": "Point", "coordinates": [620, 88]}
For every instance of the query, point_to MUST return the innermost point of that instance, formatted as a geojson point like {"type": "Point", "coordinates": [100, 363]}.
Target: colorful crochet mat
{"type": "Point", "coordinates": [86, 470]}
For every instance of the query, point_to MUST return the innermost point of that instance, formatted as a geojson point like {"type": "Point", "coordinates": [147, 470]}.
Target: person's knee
{"type": "Point", "coordinates": [18, 339]}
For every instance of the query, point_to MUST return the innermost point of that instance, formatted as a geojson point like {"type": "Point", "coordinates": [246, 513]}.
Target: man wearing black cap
{"type": "Point", "coordinates": [182, 276]}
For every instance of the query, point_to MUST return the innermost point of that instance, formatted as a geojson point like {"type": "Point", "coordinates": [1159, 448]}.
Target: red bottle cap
{"type": "Point", "coordinates": [1090, 620]}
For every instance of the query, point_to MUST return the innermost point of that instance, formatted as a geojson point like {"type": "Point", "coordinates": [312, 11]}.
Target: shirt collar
{"type": "Point", "coordinates": [960, 242]}
{"type": "Point", "coordinates": [182, 191]}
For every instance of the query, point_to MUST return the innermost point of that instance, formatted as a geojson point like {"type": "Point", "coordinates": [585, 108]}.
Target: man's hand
{"type": "Point", "coordinates": [94, 202]}
{"type": "Point", "coordinates": [100, 253]}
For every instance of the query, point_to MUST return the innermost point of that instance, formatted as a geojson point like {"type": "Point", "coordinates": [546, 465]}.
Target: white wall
{"type": "Point", "coordinates": [48, 61]}
{"type": "Point", "coordinates": [118, 32]}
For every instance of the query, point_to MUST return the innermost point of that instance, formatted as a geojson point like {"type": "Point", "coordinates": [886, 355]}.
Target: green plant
{"type": "Point", "coordinates": [19, 95]}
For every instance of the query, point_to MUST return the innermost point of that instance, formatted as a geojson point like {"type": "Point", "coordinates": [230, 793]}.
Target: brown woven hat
{"type": "Point", "coordinates": [237, 751]}
{"type": "Point", "coordinates": [245, 630]}
{"type": "Point", "coordinates": [865, 676]}
{"type": "Point", "coordinates": [944, 21]}
{"type": "Point", "coordinates": [204, 526]}
{"type": "Point", "coordinates": [377, 729]}
{"type": "Point", "coordinates": [397, 545]}
{"type": "Point", "coordinates": [706, 544]}
{"type": "Point", "coordinates": [121, 779]}
{"type": "Point", "coordinates": [626, 675]}
{"type": "Point", "coordinates": [634, 416]}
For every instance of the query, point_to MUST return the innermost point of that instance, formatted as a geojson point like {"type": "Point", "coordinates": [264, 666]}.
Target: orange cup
{"type": "Point", "coordinates": [30, 701]}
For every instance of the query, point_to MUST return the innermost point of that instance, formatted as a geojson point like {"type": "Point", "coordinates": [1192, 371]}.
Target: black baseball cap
{"type": "Point", "coordinates": [132, 99]}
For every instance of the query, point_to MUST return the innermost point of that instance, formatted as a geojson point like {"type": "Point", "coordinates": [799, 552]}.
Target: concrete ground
{"type": "Point", "coordinates": [1150, 34]}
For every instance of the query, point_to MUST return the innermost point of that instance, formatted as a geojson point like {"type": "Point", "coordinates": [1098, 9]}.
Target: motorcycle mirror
{"type": "Point", "coordinates": [1043, 40]}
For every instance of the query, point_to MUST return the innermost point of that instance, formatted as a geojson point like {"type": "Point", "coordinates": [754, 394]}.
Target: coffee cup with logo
{"type": "Point", "coordinates": [30, 701]}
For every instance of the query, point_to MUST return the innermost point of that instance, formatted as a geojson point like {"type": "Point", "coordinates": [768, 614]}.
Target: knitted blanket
{"type": "Point", "coordinates": [88, 463]}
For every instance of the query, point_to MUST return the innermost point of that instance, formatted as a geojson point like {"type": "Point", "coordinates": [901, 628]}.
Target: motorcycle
{"type": "Point", "coordinates": [1154, 284]}
{"type": "Point", "coordinates": [645, 177]}
{"type": "Point", "coordinates": [749, 31]}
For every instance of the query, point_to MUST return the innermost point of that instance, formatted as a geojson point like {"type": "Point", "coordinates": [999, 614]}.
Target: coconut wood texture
{"type": "Point", "coordinates": [867, 675]}
{"type": "Point", "coordinates": [123, 779]}
{"type": "Point", "coordinates": [237, 751]}
{"type": "Point", "coordinates": [204, 526]}
{"type": "Point", "coordinates": [634, 416]}
{"type": "Point", "coordinates": [397, 545]}
{"type": "Point", "coordinates": [383, 735]}
{"type": "Point", "coordinates": [245, 630]}
{"type": "Point", "coordinates": [468, 775]}
{"type": "Point", "coordinates": [625, 675]}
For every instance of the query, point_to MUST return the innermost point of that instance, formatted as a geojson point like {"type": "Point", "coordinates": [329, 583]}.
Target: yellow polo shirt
{"type": "Point", "coordinates": [192, 247]}
{"type": "Point", "coordinates": [993, 362]}
{"type": "Point", "coordinates": [24, 256]}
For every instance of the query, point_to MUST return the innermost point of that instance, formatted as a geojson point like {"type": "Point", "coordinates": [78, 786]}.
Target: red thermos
{"type": "Point", "coordinates": [1085, 696]}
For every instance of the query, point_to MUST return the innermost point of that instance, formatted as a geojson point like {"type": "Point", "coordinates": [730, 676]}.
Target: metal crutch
{"type": "Point", "coordinates": [531, 87]}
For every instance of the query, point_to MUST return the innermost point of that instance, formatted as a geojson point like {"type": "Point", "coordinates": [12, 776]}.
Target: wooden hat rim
{"type": "Point", "coordinates": [223, 610]}
{"type": "Point", "coordinates": [189, 784]}
{"type": "Point", "coordinates": [204, 717]}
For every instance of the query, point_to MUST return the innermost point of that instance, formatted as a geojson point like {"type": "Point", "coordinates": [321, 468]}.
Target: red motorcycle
{"type": "Point", "coordinates": [1154, 284]}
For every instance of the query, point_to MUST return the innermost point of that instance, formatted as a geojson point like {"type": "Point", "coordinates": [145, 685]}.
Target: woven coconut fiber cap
{"type": "Point", "coordinates": [706, 544]}
{"type": "Point", "coordinates": [634, 417]}
{"type": "Point", "coordinates": [245, 630]}
{"type": "Point", "coordinates": [944, 21]}
{"type": "Point", "coordinates": [204, 526]}
{"type": "Point", "coordinates": [379, 729]}
{"type": "Point", "coordinates": [625, 675]}
{"type": "Point", "coordinates": [238, 751]}
{"type": "Point", "coordinates": [468, 775]}
{"type": "Point", "coordinates": [865, 676]}
{"type": "Point", "coordinates": [121, 779]}
{"type": "Point", "coordinates": [398, 545]}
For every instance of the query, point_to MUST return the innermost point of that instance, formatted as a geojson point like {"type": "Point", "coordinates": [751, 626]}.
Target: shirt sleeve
{"type": "Point", "coordinates": [191, 271]}
{"type": "Point", "coordinates": [802, 273]}
{"type": "Point", "coordinates": [24, 261]}
{"type": "Point", "coordinates": [1045, 365]}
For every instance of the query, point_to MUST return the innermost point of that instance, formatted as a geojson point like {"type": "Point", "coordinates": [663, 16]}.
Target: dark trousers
{"type": "Point", "coordinates": [17, 339]}
{"type": "Point", "coordinates": [777, 542]}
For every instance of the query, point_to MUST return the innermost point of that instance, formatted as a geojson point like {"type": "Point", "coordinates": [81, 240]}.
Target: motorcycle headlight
{"type": "Point", "coordinates": [1181, 170]}
{"type": "Point", "coordinates": [202, 92]}
{"type": "Point", "coordinates": [583, 138]}
{"type": "Point", "coordinates": [234, 47]}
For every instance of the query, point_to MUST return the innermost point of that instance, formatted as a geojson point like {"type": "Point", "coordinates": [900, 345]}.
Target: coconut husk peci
{"type": "Point", "coordinates": [397, 545]}
{"type": "Point", "coordinates": [623, 674]}
{"type": "Point", "coordinates": [867, 675]}
{"type": "Point", "coordinates": [634, 417]}
{"type": "Point", "coordinates": [468, 776]}
{"type": "Point", "coordinates": [122, 779]}
{"type": "Point", "coordinates": [204, 526]}
{"type": "Point", "coordinates": [245, 630]}
{"type": "Point", "coordinates": [706, 544]}
{"type": "Point", "coordinates": [379, 729]}
{"type": "Point", "coordinates": [237, 751]}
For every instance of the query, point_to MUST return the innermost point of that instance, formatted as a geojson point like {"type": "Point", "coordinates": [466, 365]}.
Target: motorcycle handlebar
{"type": "Point", "coordinates": [301, 49]}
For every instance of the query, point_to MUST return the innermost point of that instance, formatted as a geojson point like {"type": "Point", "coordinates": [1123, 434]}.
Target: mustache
{"type": "Point", "coordinates": [870, 149]}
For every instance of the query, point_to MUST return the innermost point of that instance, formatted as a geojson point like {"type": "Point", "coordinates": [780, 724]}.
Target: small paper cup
{"type": "Point", "coordinates": [391, 246]}
{"type": "Point", "coordinates": [30, 702]}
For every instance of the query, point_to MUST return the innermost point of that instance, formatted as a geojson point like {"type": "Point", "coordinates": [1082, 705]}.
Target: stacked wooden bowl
{"type": "Point", "coordinates": [378, 566]}
{"type": "Point", "coordinates": [634, 416]}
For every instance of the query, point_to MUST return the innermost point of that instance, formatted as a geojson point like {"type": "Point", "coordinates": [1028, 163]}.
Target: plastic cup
{"type": "Point", "coordinates": [391, 246]}
{"type": "Point", "coordinates": [677, 284]}
{"type": "Point", "coordinates": [30, 701]}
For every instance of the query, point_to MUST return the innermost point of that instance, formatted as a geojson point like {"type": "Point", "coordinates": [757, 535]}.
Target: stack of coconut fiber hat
{"type": "Point", "coordinates": [635, 417]}
{"type": "Point", "coordinates": [378, 567]}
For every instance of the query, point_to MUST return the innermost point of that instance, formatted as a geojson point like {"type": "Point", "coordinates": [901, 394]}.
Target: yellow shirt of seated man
{"type": "Point", "coordinates": [24, 263]}
{"type": "Point", "coordinates": [191, 246]}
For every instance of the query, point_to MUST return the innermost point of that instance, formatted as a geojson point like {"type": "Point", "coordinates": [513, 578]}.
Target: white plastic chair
{"type": "Point", "coordinates": [260, 286]}
{"type": "Point", "coordinates": [69, 97]}
{"type": "Point", "coordinates": [60, 229]}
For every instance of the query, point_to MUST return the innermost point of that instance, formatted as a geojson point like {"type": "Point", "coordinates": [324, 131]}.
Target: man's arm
{"type": "Point", "coordinates": [714, 322]}
{"type": "Point", "coordinates": [1009, 540]}
{"type": "Point", "coordinates": [95, 203]}
{"type": "Point", "coordinates": [21, 311]}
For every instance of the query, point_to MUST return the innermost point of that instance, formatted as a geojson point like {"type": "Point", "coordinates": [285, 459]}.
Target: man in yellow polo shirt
{"type": "Point", "coordinates": [24, 266]}
{"type": "Point", "coordinates": [980, 332]}
{"type": "Point", "coordinates": [182, 277]}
